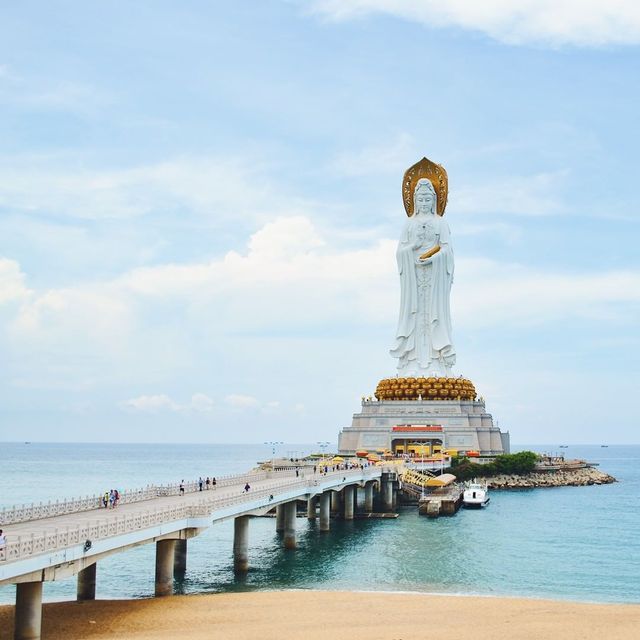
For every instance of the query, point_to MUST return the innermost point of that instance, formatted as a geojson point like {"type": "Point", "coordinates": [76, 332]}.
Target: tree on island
{"type": "Point", "coordinates": [520, 464]}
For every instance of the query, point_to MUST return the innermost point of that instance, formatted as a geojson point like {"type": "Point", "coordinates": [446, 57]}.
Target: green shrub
{"type": "Point", "coordinates": [520, 463]}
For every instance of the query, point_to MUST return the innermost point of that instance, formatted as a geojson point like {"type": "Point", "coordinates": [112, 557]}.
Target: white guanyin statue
{"type": "Point", "coordinates": [424, 346]}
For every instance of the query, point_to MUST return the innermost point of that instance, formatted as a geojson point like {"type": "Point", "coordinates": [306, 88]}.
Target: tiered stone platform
{"type": "Point", "coordinates": [448, 403]}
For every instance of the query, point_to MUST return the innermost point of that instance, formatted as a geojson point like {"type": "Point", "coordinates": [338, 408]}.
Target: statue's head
{"type": "Point", "coordinates": [424, 197]}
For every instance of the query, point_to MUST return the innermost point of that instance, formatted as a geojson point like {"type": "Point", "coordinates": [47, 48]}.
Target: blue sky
{"type": "Point", "coordinates": [199, 205]}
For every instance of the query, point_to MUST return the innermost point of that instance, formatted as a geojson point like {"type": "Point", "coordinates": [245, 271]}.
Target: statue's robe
{"type": "Point", "coordinates": [409, 332]}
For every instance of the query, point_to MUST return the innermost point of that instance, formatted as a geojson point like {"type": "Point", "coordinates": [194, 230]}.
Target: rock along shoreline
{"type": "Point", "coordinates": [561, 478]}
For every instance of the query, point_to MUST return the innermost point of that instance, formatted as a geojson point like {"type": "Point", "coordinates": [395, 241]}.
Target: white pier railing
{"type": "Point", "coordinates": [108, 523]}
{"type": "Point", "coordinates": [28, 512]}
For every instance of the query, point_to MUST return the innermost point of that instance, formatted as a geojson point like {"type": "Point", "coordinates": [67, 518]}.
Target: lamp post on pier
{"type": "Point", "coordinates": [273, 445]}
{"type": "Point", "coordinates": [323, 446]}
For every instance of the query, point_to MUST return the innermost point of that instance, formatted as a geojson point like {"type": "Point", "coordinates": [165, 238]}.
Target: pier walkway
{"type": "Point", "coordinates": [59, 540]}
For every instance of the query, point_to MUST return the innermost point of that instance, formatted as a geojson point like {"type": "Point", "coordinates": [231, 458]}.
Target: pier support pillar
{"type": "Point", "coordinates": [311, 508]}
{"type": "Point", "coordinates": [290, 510]}
{"type": "Point", "coordinates": [165, 553]}
{"type": "Point", "coordinates": [325, 511]}
{"type": "Point", "coordinates": [368, 497]}
{"type": "Point", "coordinates": [387, 495]}
{"type": "Point", "coordinates": [180, 559]}
{"type": "Point", "coordinates": [348, 502]}
{"type": "Point", "coordinates": [394, 497]}
{"type": "Point", "coordinates": [28, 616]}
{"type": "Point", "coordinates": [86, 586]}
{"type": "Point", "coordinates": [336, 501]}
{"type": "Point", "coordinates": [241, 544]}
{"type": "Point", "coordinates": [280, 518]}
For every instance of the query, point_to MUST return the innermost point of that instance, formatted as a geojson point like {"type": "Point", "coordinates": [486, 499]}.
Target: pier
{"type": "Point", "coordinates": [444, 496]}
{"type": "Point", "coordinates": [56, 541]}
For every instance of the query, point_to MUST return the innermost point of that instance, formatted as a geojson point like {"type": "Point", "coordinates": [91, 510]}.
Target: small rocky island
{"type": "Point", "coordinates": [528, 470]}
{"type": "Point", "coordinates": [580, 477]}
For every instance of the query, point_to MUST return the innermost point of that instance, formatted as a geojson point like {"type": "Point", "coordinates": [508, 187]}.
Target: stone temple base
{"type": "Point", "coordinates": [466, 425]}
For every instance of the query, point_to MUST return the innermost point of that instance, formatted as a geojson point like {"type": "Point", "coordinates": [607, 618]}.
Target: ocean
{"type": "Point", "coordinates": [575, 543]}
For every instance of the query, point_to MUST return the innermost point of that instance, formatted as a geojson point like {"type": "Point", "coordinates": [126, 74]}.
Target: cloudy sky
{"type": "Point", "coordinates": [200, 201]}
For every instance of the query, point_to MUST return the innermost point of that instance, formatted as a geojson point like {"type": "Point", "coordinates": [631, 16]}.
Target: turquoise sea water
{"type": "Point", "coordinates": [579, 543]}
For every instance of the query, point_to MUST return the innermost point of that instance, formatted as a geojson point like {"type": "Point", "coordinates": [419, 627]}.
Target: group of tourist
{"type": "Point", "coordinates": [203, 484]}
{"type": "Point", "coordinates": [208, 483]}
{"type": "Point", "coordinates": [110, 499]}
{"type": "Point", "coordinates": [345, 466]}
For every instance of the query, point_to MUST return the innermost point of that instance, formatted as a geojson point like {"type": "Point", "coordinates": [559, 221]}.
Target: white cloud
{"type": "Point", "coordinates": [199, 403]}
{"type": "Point", "coordinates": [554, 22]}
{"type": "Point", "coordinates": [208, 186]}
{"type": "Point", "coordinates": [12, 281]}
{"type": "Point", "coordinates": [285, 237]}
{"type": "Point", "coordinates": [239, 401]}
{"type": "Point", "coordinates": [289, 282]}
{"type": "Point", "coordinates": [271, 407]}
{"type": "Point", "coordinates": [202, 403]}
{"type": "Point", "coordinates": [487, 293]}
{"type": "Point", "coordinates": [152, 404]}
{"type": "Point", "coordinates": [68, 319]}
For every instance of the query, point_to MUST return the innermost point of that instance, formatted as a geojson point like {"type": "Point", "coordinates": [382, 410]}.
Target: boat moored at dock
{"type": "Point", "coordinates": [476, 495]}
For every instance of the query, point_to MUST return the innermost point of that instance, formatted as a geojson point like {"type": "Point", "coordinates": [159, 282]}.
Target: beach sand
{"type": "Point", "coordinates": [331, 615]}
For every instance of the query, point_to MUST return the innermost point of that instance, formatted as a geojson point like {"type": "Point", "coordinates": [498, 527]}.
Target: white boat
{"type": "Point", "coordinates": [476, 495]}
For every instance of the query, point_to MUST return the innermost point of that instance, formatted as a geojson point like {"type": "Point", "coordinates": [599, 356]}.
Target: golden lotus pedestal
{"type": "Point", "coordinates": [425, 389]}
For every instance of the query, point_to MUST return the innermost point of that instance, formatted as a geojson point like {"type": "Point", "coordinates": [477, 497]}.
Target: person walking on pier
{"type": "Point", "coordinates": [3, 539]}
{"type": "Point", "coordinates": [182, 488]}
{"type": "Point", "coordinates": [214, 482]}
{"type": "Point", "coordinates": [246, 488]}
{"type": "Point", "coordinates": [208, 482]}
{"type": "Point", "coordinates": [200, 483]}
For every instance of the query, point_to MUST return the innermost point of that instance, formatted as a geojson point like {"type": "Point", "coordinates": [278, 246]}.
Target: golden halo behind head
{"type": "Point", "coordinates": [433, 172]}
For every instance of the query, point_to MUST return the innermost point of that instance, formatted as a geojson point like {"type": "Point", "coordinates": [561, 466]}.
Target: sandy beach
{"type": "Point", "coordinates": [312, 615]}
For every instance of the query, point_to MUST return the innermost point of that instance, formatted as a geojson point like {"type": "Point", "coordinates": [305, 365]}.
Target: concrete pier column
{"type": "Point", "coordinates": [311, 508]}
{"type": "Point", "coordinates": [290, 509]}
{"type": "Point", "coordinates": [325, 511]}
{"type": "Point", "coordinates": [180, 559]}
{"type": "Point", "coordinates": [28, 621]}
{"type": "Point", "coordinates": [336, 501]}
{"type": "Point", "coordinates": [280, 518]}
{"type": "Point", "coordinates": [394, 497]}
{"type": "Point", "coordinates": [387, 495]}
{"type": "Point", "coordinates": [86, 587]}
{"type": "Point", "coordinates": [241, 543]}
{"type": "Point", "coordinates": [348, 503]}
{"type": "Point", "coordinates": [368, 497]}
{"type": "Point", "coordinates": [165, 553]}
